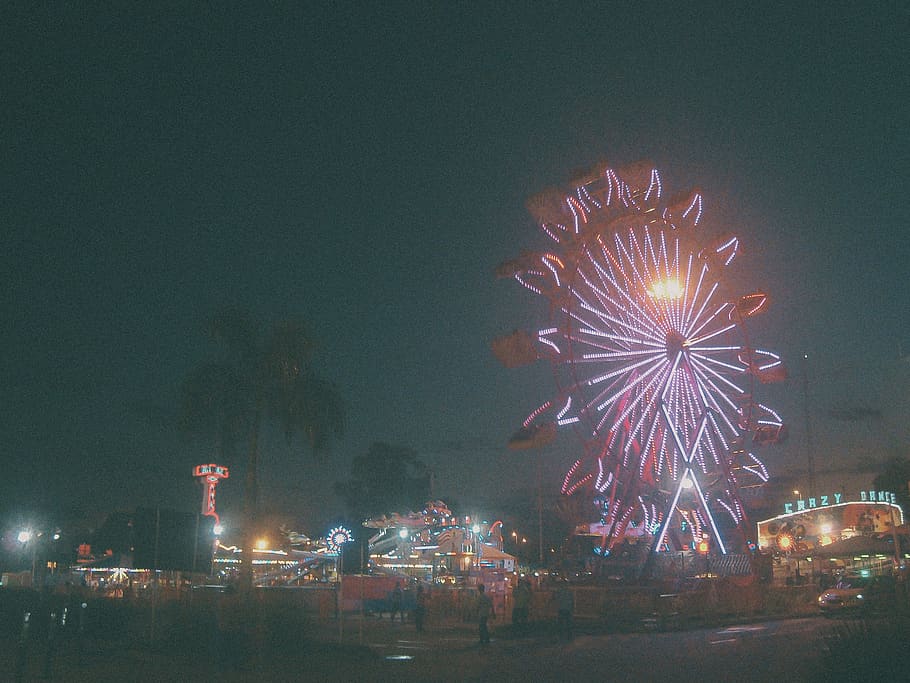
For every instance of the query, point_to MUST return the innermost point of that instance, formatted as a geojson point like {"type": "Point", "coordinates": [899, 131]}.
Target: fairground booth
{"type": "Point", "coordinates": [828, 534]}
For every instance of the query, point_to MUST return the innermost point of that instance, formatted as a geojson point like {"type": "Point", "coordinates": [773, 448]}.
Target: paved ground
{"type": "Point", "coordinates": [362, 649]}
{"type": "Point", "coordinates": [377, 650]}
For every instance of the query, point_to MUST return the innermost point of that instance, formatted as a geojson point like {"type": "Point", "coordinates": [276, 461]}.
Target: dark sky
{"type": "Point", "coordinates": [367, 168]}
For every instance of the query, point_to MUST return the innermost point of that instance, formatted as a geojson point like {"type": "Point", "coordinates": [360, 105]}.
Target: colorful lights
{"type": "Point", "coordinates": [209, 476]}
{"type": "Point", "coordinates": [650, 354]}
{"type": "Point", "coordinates": [666, 289]}
{"type": "Point", "coordinates": [336, 539]}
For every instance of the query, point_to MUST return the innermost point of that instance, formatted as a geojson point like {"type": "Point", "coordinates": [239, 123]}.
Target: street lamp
{"type": "Point", "coordinates": [27, 537]}
{"type": "Point", "coordinates": [335, 542]}
{"type": "Point", "coordinates": [705, 549]}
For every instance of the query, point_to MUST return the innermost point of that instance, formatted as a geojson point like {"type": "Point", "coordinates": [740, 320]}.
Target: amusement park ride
{"type": "Point", "coordinates": [434, 540]}
{"type": "Point", "coordinates": [652, 358]}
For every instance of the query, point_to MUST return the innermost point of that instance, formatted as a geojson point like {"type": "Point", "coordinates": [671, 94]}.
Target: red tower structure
{"type": "Point", "coordinates": [209, 476]}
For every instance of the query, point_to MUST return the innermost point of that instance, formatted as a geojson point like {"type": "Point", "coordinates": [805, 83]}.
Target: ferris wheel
{"type": "Point", "coordinates": [652, 359]}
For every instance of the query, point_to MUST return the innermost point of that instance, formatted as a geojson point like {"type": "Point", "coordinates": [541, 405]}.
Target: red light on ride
{"type": "Point", "coordinates": [703, 547]}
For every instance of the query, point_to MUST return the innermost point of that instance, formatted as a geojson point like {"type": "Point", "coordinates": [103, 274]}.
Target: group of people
{"type": "Point", "coordinates": [521, 603]}
{"type": "Point", "coordinates": [485, 610]}
{"type": "Point", "coordinates": [420, 605]}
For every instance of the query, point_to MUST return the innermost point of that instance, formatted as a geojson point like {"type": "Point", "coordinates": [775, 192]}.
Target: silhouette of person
{"type": "Point", "coordinates": [484, 612]}
{"type": "Point", "coordinates": [396, 602]}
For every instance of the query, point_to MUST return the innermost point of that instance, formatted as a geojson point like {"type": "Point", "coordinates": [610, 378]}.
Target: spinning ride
{"type": "Point", "coordinates": [651, 356]}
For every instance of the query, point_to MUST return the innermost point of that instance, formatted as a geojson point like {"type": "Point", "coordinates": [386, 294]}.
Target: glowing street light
{"type": "Point", "coordinates": [27, 537]}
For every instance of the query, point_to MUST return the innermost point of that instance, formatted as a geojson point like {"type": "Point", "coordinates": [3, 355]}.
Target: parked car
{"type": "Point", "coordinates": [856, 593]}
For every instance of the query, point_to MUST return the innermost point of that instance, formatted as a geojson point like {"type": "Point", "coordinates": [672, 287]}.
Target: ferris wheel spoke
{"type": "Point", "coordinates": [628, 387]}
{"type": "Point", "coordinates": [643, 279]}
{"type": "Point", "coordinates": [732, 409]}
{"type": "Point", "coordinates": [642, 401]}
{"type": "Point", "coordinates": [715, 333]}
{"type": "Point", "coordinates": [711, 393]}
{"type": "Point", "coordinates": [713, 373]}
{"type": "Point", "coordinates": [650, 443]}
{"type": "Point", "coordinates": [697, 323]}
{"type": "Point", "coordinates": [643, 322]}
{"type": "Point", "coordinates": [683, 315]}
{"type": "Point", "coordinates": [650, 346]}
{"type": "Point", "coordinates": [630, 326]}
{"type": "Point", "coordinates": [693, 300]}
{"type": "Point", "coordinates": [627, 292]}
{"type": "Point", "coordinates": [738, 369]}
{"type": "Point", "coordinates": [620, 355]}
{"type": "Point", "coordinates": [615, 373]}
{"type": "Point", "coordinates": [719, 432]}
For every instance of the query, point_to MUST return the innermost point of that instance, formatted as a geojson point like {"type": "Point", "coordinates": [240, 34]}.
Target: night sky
{"type": "Point", "coordinates": [367, 168]}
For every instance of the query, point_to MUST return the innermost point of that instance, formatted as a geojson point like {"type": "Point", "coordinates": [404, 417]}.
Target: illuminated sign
{"type": "Point", "coordinates": [209, 476]}
{"type": "Point", "coordinates": [214, 470]}
{"type": "Point", "coordinates": [821, 525]}
{"type": "Point", "coordinates": [871, 496]}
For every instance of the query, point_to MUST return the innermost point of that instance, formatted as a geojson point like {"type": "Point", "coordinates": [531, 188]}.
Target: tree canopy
{"type": "Point", "coordinates": [258, 379]}
{"type": "Point", "coordinates": [387, 478]}
{"type": "Point", "coordinates": [895, 477]}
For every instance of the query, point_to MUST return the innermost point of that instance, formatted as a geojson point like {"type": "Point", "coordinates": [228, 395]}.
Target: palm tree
{"type": "Point", "coordinates": [259, 380]}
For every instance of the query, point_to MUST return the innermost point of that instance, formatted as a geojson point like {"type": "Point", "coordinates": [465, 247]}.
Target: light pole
{"type": "Point", "coordinates": [217, 530]}
{"type": "Point", "coordinates": [27, 538]}
{"type": "Point", "coordinates": [335, 541]}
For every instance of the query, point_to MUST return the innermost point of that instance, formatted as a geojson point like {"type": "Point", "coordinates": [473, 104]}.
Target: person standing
{"type": "Point", "coordinates": [484, 613]}
{"type": "Point", "coordinates": [565, 605]}
{"type": "Point", "coordinates": [521, 597]}
{"type": "Point", "coordinates": [420, 608]}
{"type": "Point", "coordinates": [397, 598]}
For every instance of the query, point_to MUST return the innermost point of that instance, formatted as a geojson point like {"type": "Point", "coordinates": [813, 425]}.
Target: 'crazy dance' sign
{"type": "Point", "coordinates": [871, 496]}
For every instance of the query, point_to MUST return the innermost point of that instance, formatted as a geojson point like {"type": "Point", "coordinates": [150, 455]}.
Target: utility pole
{"type": "Point", "coordinates": [810, 462]}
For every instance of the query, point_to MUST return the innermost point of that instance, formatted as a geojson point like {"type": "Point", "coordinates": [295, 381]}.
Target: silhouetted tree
{"type": "Point", "coordinates": [387, 478]}
{"type": "Point", "coordinates": [258, 378]}
{"type": "Point", "coordinates": [895, 477]}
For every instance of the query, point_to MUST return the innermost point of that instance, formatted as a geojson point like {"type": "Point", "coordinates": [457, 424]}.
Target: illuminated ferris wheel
{"type": "Point", "coordinates": [651, 356]}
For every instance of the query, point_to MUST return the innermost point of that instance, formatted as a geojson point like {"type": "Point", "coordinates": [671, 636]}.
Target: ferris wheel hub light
{"type": "Point", "coordinates": [666, 289]}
